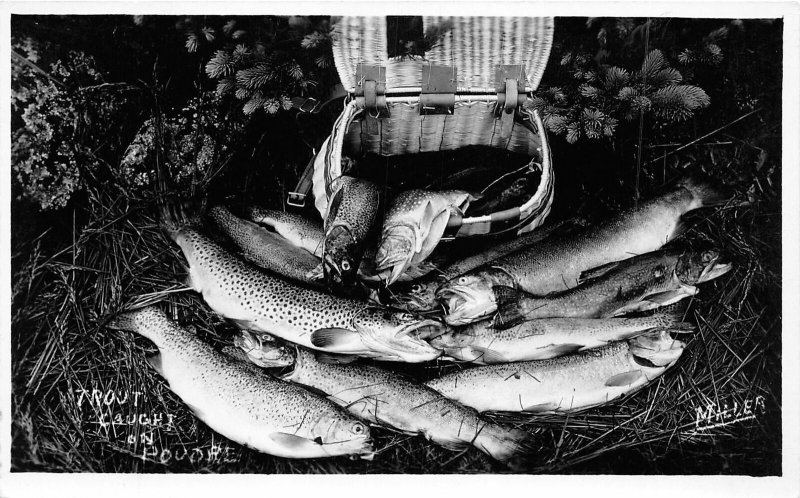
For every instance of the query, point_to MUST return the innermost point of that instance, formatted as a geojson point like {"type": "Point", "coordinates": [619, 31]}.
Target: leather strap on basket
{"type": "Point", "coordinates": [510, 84]}
{"type": "Point", "coordinates": [297, 197]}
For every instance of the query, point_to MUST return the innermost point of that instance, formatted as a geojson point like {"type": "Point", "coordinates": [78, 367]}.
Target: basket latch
{"type": "Point", "coordinates": [370, 93]}
{"type": "Point", "coordinates": [438, 94]}
{"type": "Point", "coordinates": [510, 83]}
{"type": "Point", "coordinates": [370, 89]}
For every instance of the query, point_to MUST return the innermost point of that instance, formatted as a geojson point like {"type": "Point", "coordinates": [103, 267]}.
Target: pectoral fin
{"type": "Point", "coordinates": [292, 442]}
{"type": "Point", "coordinates": [624, 379]}
{"type": "Point", "coordinates": [673, 296]}
{"type": "Point", "coordinates": [563, 349]}
{"type": "Point", "coordinates": [424, 225]}
{"type": "Point", "coordinates": [433, 237]}
{"type": "Point", "coordinates": [156, 362]}
{"type": "Point", "coordinates": [335, 359]}
{"type": "Point", "coordinates": [337, 340]}
{"type": "Point", "coordinates": [541, 407]}
{"type": "Point", "coordinates": [488, 356]}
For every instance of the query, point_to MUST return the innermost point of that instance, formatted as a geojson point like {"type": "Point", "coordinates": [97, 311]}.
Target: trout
{"type": "Point", "coordinates": [554, 265]}
{"type": "Point", "coordinates": [258, 301]}
{"type": "Point", "coordinates": [565, 384]}
{"type": "Point", "coordinates": [264, 248]}
{"type": "Point", "coordinates": [546, 338]}
{"type": "Point", "coordinates": [387, 398]}
{"type": "Point", "coordinates": [641, 283]}
{"type": "Point", "coordinates": [253, 409]}
{"type": "Point", "coordinates": [352, 211]}
{"type": "Point", "coordinates": [414, 225]}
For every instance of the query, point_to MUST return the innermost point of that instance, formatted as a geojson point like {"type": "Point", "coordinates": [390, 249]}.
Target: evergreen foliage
{"type": "Point", "coordinates": [595, 92]}
{"type": "Point", "coordinates": [264, 64]}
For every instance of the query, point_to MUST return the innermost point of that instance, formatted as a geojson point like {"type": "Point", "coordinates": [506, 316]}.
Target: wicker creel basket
{"type": "Point", "coordinates": [469, 88]}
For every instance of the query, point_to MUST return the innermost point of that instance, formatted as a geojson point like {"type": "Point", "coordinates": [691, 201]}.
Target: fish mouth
{"type": "Point", "coordinates": [424, 329]}
{"type": "Point", "coordinates": [465, 305]}
{"type": "Point", "coordinates": [714, 270]}
{"type": "Point", "coordinates": [390, 267]}
{"type": "Point", "coordinates": [407, 343]}
{"type": "Point", "coordinates": [359, 447]}
{"type": "Point", "coordinates": [656, 349]}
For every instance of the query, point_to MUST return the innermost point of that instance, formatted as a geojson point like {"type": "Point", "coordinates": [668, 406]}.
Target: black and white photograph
{"type": "Point", "coordinates": [511, 242]}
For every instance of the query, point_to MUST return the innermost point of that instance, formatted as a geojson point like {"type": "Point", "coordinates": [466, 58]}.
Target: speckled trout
{"type": "Point", "coordinates": [258, 301]}
{"type": "Point", "coordinates": [546, 338]}
{"type": "Point", "coordinates": [555, 264]}
{"type": "Point", "coordinates": [387, 398]}
{"type": "Point", "coordinates": [253, 409]}
{"type": "Point", "coordinates": [352, 213]}
{"type": "Point", "coordinates": [565, 384]}
{"type": "Point", "coordinates": [266, 249]}
{"type": "Point", "coordinates": [414, 225]}
{"type": "Point", "coordinates": [641, 283]}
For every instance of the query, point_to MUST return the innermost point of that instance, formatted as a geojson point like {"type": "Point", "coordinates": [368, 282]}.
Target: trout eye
{"type": "Point", "coordinates": [416, 288]}
{"type": "Point", "coordinates": [359, 429]}
{"type": "Point", "coordinates": [707, 256]}
{"type": "Point", "coordinates": [462, 280]}
{"type": "Point", "coordinates": [345, 265]}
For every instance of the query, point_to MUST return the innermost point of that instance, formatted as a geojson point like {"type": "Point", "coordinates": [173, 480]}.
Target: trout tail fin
{"type": "Point", "coordinates": [707, 192]}
{"type": "Point", "coordinates": [510, 310]}
{"type": "Point", "coordinates": [176, 214]}
{"type": "Point", "coordinates": [512, 446]}
{"type": "Point", "coordinates": [150, 322]}
{"type": "Point", "coordinates": [672, 317]}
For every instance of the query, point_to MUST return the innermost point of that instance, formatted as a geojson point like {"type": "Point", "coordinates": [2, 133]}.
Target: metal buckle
{"type": "Point", "coordinates": [296, 199]}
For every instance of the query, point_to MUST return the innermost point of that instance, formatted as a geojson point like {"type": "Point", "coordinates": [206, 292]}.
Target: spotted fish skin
{"type": "Point", "coordinates": [565, 384]}
{"type": "Point", "coordinates": [555, 264]}
{"type": "Point", "coordinates": [242, 404]}
{"type": "Point", "coordinates": [258, 301]}
{"type": "Point", "coordinates": [641, 283]}
{"type": "Point", "coordinates": [414, 225]}
{"type": "Point", "coordinates": [298, 230]}
{"type": "Point", "coordinates": [264, 248]}
{"type": "Point", "coordinates": [352, 212]}
{"type": "Point", "coordinates": [387, 398]}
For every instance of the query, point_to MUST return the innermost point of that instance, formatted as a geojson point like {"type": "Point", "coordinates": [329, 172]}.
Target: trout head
{"type": "Point", "coordinates": [469, 297]}
{"type": "Point", "coordinates": [696, 267]}
{"type": "Point", "coordinates": [337, 433]}
{"type": "Point", "coordinates": [396, 336]}
{"type": "Point", "coordinates": [655, 349]}
{"type": "Point", "coordinates": [341, 257]}
{"type": "Point", "coordinates": [397, 248]}
{"type": "Point", "coordinates": [264, 351]}
{"type": "Point", "coordinates": [419, 296]}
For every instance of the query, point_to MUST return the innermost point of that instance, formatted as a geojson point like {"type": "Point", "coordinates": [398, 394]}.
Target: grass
{"type": "Point", "coordinates": [72, 375]}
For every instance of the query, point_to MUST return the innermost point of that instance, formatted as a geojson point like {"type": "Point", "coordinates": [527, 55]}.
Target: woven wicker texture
{"type": "Point", "coordinates": [406, 132]}
{"type": "Point", "coordinates": [473, 123]}
{"type": "Point", "coordinates": [474, 45]}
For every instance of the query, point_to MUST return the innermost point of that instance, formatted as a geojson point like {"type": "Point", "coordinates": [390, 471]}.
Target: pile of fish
{"type": "Point", "coordinates": [566, 318]}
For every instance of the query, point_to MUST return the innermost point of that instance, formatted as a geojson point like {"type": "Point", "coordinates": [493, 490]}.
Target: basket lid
{"type": "Point", "coordinates": [475, 46]}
